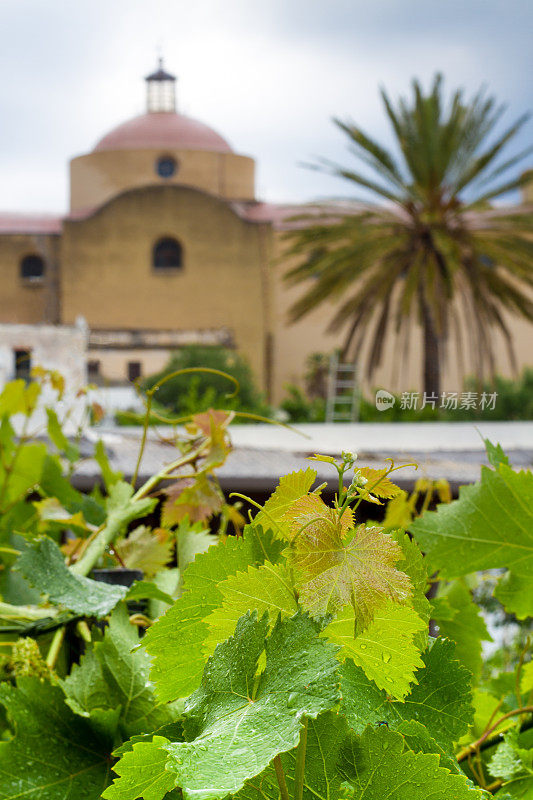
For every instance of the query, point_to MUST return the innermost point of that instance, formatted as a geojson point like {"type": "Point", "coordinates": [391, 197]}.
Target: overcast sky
{"type": "Point", "coordinates": [268, 75]}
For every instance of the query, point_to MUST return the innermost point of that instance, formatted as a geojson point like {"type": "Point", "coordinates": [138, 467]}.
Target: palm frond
{"type": "Point", "coordinates": [452, 266]}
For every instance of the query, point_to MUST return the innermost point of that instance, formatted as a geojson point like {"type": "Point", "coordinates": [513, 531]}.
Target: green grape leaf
{"type": "Point", "coordinates": [385, 649]}
{"type": "Point", "coordinates": [418, 739]}
{"type": "Point", "coordinates": [526, 680]}
{"type": "Point", "coordinates": [43, 566]}
{"type": "Point", "coordinates": [333, 570]}
{"type": "Point", "coordinates": [56, 485]}
{"type": "Point", "coordinates": [508, 759]}
{"type": "Point", "coordinates": [520, 788]}
{"type": "Point", "coordinates": [13, 398]}
{"type": "Point", "coordinates": [414, 566]}
{"type": "Point", "coordinates": [24, 474]}
{"type": "Point", "coordinates": [325, 737]}
{"type": "Point", "coordinates": [515, 595]}
{"type": "Point", "coordinates": [399, 512]}
{"type": "Point", "coordinates": [167, 581]}
{"type": "Point", "coordinates": [378, 767]}
{"type": "Point", "coordinates": [440, 698]}
{"type": "Point", "coordinates": [192, 539]}
{"type": "Point", "coordinates": [146, 549]}
{"type": "Point", "coordinates": [53, 753]}
{"type": "Point", "coordinates": [378, 483]}
{"type": "Point", "coordinates": [265, 588]}
{"type": "Point", "coordinates": [462, 622]}
{"type": "Point", "coordinates": [237, 722]}
{"type": "Point", "coordinates": [109, 676]}
{"type": "Point", "coordinates": [55, 432]}
{"type": "Point", "coordinates": [146, 590]}
{"type": "Point", "coordinates": [495, 454]}
{"type": "Point", "coordinates": [109, 476]}
{"type": "Point", "coordinates": [177, 639]}
{"type": "Point", "coordinates": [142, 773]}
{"type": "Point", "coordinates": [53, 516]}
{"type": "Point", "coordinates": [291, 488]}
{"type": "Point", "coordinates": [489, 526]}
{"type": "Point", "coordinates": [172, 731]}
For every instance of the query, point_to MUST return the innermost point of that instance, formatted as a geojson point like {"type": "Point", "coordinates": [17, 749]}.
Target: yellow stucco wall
{"type": "Point", "coordinates": [107, 273]}
{"type": "Point", "coordinates": [22, 300]}
{"type": "Point", "coordinates": [114, 362]}
{"type": "Point", "coordinates": [294, 343]}
{"type": "Point", "coordinates": [97, 177]}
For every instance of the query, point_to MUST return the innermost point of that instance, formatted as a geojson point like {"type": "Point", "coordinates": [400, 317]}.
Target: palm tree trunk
{"type": "Point", "coordinates": [432, 355]}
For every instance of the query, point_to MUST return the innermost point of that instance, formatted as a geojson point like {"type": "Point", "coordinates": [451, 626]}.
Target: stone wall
{"type": "Point", "coordinates": [62, 348]}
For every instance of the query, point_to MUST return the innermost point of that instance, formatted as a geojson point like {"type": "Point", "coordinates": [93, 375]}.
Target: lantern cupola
{"type": "Point", "coordinates": [160, 91]}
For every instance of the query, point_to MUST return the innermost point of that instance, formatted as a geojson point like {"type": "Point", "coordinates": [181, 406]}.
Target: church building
{"type": "Point", "coordinates": [164, 244]}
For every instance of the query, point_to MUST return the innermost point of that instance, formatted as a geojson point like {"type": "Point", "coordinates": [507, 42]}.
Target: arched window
{"type": "Point", "coordinates": [32, 268]}
{"type": "Point", "coordinates": [167, 254]}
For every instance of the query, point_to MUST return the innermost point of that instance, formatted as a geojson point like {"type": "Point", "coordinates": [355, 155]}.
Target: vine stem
{"type": "Point", "coordinates": [471, 748]}
{"type": "Point", "coordinates": [166, 472]}
{"type": "Point", "coordinates": [115, 523]}
{"type": "Point", "coordinates": [148, 408]}
{"type": "Point", "coordinates": [299, 770]}
{"type": "Point", "coordinates": [280, 775]}
{"type": "Point", "coordinates": [519, 672]}
{"type": "Point", "coordinates": [55, 647]}
{"type": "Point", "coordinates": [7, 611]}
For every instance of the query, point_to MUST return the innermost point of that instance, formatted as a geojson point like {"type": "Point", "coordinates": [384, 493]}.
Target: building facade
{"type": "Point", "coordinates": [164, 244]}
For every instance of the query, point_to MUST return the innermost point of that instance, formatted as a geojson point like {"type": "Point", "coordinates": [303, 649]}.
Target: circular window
{"type": "Point", "coordinates": [166, 166]}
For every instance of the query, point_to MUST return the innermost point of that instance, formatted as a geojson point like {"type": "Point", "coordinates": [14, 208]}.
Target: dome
{"type": "Point", "coordinates": [160, 130]}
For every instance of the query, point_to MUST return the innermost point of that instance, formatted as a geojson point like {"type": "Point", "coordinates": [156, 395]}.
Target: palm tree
{"type": "Point", "coordinates": [435, 254]}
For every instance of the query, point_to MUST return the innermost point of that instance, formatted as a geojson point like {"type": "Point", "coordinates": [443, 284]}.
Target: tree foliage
{"type": "Point", "coordinates": [435, 255]}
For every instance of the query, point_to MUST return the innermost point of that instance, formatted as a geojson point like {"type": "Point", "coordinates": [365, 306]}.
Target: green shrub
{"type": "Point", "coordinates": [300, 408]}
{"type": "Point", "coordinates": [191, 393]}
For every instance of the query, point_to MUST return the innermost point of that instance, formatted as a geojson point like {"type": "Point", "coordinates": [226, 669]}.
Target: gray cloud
{"type": "Point", "coordinates": [268, 75]}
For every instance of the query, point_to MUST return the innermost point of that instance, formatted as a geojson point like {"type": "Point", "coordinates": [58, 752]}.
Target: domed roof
{"type": "Point", "coordinates": [164, 129]}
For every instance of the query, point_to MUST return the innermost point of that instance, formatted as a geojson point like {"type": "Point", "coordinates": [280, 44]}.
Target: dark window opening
{"type": "Point", "coordinates": [167, 254]}
{"type": "Point", "coordinates": [22, 364]}
{"type": "Point", "coordinates": [134, 371]}
{"type": "Point", "coordinates": [32, 268]}
{"type": "Point", "coordinates": [93, 371]}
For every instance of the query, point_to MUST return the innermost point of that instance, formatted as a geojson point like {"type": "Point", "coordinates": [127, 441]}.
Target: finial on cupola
{"type": "Point", "coordinates": [160, 90]}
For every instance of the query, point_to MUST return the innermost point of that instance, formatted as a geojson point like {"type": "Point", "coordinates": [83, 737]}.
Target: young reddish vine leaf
{"type": "Point", "coordinates": [196, 498]}
{"type": "Point", "coordinates": [336, 565]}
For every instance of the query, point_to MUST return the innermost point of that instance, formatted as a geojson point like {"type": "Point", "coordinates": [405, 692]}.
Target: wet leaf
{"type": "Point", "coordinates": [43, 566]}
{"type": "Point", "coordinates": [53, 753]}
{"type": "Point", "coordinates": [385, 649]}
{"type": "Point", "coordinates": [378, 766]}
{"type": "Point", "coordinates": [177, 639]}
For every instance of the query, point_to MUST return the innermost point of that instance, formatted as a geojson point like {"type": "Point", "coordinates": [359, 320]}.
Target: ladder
{"type": "Point", "coordinates": [343, 391]}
